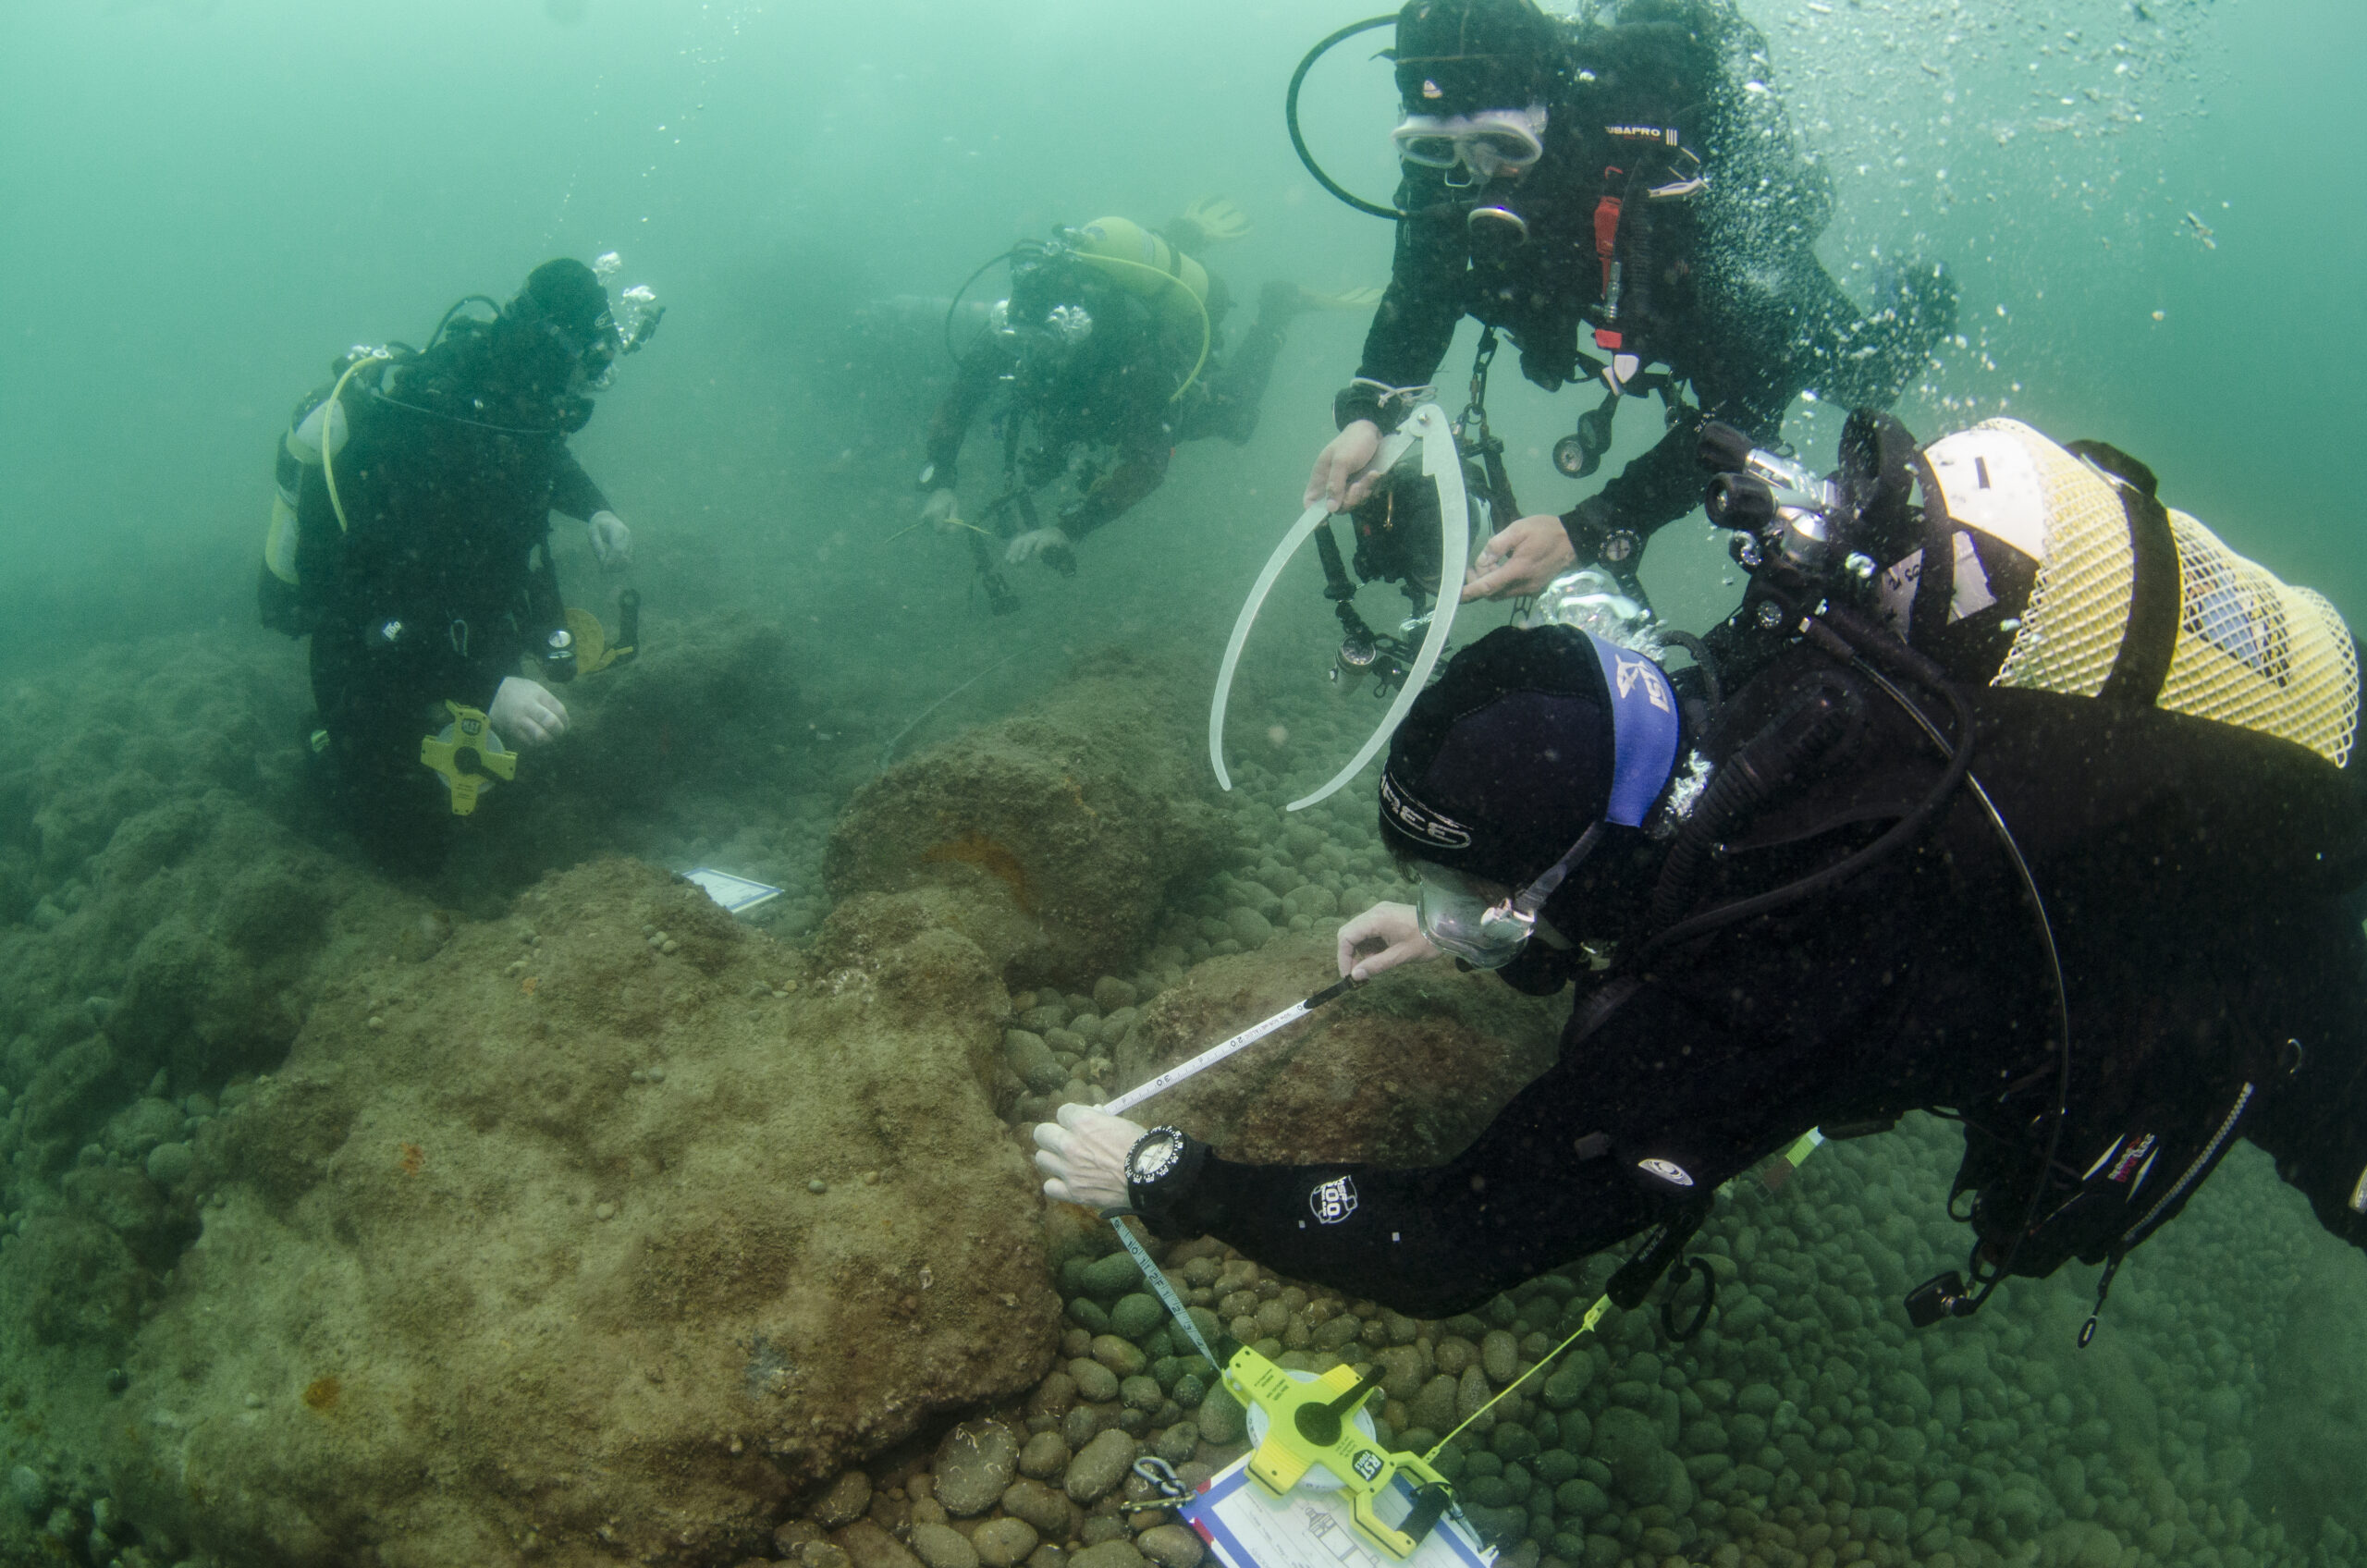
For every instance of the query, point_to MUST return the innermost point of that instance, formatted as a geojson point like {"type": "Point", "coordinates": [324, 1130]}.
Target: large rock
{"type": "Point", "coordinates": [1049, 836]}
{"type": "Point", "coordinates": [519, 1258]}
{"type": "Point", "coordinates": [1404, 1071]}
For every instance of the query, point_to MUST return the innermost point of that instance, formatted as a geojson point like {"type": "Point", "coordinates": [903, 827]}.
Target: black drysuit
{"type": "Point", "coordinates": [444, 541]}
{"type": "Point", "coordinates": [1717, 278]}
{"type": "Point", "coordinates": [2197, 877]}
{"type": "Point", "coordinates": [1116, 392]}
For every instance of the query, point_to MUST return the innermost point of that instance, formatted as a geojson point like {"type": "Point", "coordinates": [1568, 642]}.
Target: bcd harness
{"type": "Point", "coordinates": [2115, 598]}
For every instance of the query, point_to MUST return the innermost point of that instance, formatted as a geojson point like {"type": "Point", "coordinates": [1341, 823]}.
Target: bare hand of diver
{"type": "Point", "coordinates": [1340, 480]}
{"type": "Point", "coordinates": [524, 713]}
{"type": "Point", "coordinates": [1393, 929]}
{"type": "Point", "coordinates": [610, 540]}
{"type": "Point", "coordinates": [940, 510]}
{"type": "Point", "coordinates": [1083, 1157]}
{"type": "Point", "coordinates": [1521, 559]}
{"type": "Point", "coordinates": [1045, 541]}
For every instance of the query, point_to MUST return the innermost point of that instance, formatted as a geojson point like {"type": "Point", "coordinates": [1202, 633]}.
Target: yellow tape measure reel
{"type": "Point", "coordinates": [468, 756]}
{"type": "Point", "coordinates": [1311, 1424]}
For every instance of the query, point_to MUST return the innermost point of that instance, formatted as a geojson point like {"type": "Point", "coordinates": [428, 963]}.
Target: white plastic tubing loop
{"type": "Point", "coordinates": [1443, 465]}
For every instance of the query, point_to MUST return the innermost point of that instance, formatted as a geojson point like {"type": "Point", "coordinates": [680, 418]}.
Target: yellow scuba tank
{"type": "Point", "coordinates": [318, 430]}
{"type": "Point", "coordinates": [2102, 584]}
{"type": "Point", "coordinates": [313, 439]}
{"type": "Point", "coordinates": [1143, 265]}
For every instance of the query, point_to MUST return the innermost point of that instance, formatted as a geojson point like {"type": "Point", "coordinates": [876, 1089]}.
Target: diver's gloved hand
{"type": "Point", "coordinates": [525, 713]}
{"type": "Point", "coordinates": [1083, 1157]}
{"type": "Point", "coordinates": [610, 540]}
{"type": "Point", "coordinates": [1343, 473]}
{"type": "Point", "coordinates": [1394, 929]}
{"type": "Point", "coordinates": [938, 511]}
{"type": "Point", "coordinates": [1048, 543]}
{"type": "Point", "coordinates": [1522, 559]}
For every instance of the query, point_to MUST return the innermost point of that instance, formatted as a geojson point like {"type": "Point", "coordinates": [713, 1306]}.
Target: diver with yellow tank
{"type": "Point", "coordinates": [411, 541]}
{"type": "Point", "coordinates": [1107, 355]}
{"type": "Point", "coordinates": [2026, 802]}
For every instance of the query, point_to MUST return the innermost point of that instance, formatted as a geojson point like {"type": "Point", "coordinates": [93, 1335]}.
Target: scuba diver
{"type": "Point", "coordinates": [1970, 821]}
{"type": "Point", "coordinates": [411, 542]}
{"type": "Point", "coordinates": [1107, 352]}
{"type": "Point", "coordinates": [1636, 177]}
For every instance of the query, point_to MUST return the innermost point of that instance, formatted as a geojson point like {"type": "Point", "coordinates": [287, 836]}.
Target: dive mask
{"type": "Point", "coordinates": [624, 329]}
{"type": "Point", "coordinates": [1490, 143]}
{"type": "Point", "coordinates": [1460, 918]}
{"type": "Point", "coordinates": [1047, 340]}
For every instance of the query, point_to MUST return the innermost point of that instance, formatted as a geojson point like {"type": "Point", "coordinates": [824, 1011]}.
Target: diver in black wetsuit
{"type": "Point", "coordinates": [1638, 179]}
{"type": "Point", "coordinates": [1814, 920]}
{"type": "Point", "coordinates": [1109, 349]}
{"type": "Point", "coordinates": [424, 576]}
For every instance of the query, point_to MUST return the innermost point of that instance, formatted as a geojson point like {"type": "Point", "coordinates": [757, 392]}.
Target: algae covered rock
{"type": "Point", "coordinates": [1405, 1069]}
{"type": "Point", "coordinates": [1054, 834]}
{"type": "Point", "coordinates": [533, 1271]}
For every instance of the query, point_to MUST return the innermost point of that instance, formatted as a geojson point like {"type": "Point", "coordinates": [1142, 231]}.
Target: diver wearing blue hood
{"type": "Point", "coordinates": [1810, 919]}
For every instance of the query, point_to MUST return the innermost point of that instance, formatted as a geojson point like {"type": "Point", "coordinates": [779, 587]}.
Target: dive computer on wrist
{"type": "Point", "coordinates": [1155, 1153]}
{"type": "Point", "coordinates": [1160, 1168]}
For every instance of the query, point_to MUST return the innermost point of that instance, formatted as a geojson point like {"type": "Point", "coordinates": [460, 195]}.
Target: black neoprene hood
{"type": "Point", "coordinates": [566, 293]}
{"type": "Point", "coordinates": [1503, 761]}
{"type": "Point", "coordinates": [1461, 56]}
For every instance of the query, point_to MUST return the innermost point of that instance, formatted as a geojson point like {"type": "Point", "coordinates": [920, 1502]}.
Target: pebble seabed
{"type": "Point", "coordinates": [1807, 1426]}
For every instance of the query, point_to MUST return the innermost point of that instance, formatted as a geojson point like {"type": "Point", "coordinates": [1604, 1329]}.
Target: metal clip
{"type": "Point", "coordinates": [1161, 1474]}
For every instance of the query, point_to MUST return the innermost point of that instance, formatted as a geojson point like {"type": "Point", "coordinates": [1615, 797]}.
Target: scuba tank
{"type": "Point", "coordinates": [316, 434]}
{"type": "Point", "coordinates": [2059, 569]}
{"type": "Point", "coordinates": [1147, 266]}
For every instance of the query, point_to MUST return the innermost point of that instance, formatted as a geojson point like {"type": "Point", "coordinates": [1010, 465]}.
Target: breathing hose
{"type": "Point", "coordinates": [1205, 334]}
{"type": "Point", "coordinates": [332, 410]}
{"type": "Point", "coordinates": [1893, 840]}
{"type": "Point", "coordinates": [954, 304]}
{"type": "Point", "coordinates": [1298, 141]}
{"type": "Point", "coordinates": [1806, 727]}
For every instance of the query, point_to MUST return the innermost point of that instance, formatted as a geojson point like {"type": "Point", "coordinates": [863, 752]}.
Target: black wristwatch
{"type": "Point", "coordinates": [1160, 1169]}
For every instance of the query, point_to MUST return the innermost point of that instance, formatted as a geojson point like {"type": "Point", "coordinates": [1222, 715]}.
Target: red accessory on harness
{"type": "Point", "coordinates": [1606, 245]}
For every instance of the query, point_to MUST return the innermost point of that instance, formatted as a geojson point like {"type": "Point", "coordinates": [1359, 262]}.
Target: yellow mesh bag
{"type": "Point", "coordinates": [2255, 652]}
{"type": "Point", "coordinates": [2078, 607]}
{"type": "Point", "coordinates": [2251, 650]}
